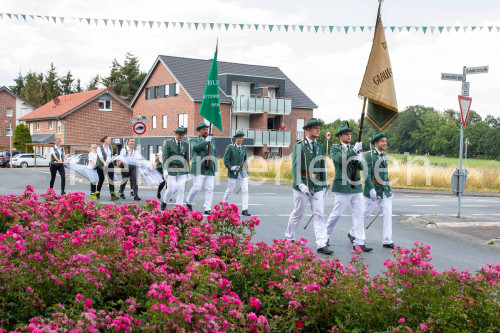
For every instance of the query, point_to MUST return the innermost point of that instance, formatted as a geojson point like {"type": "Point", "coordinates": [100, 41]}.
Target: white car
{"type": "Point", "coordinates": [27, 160]}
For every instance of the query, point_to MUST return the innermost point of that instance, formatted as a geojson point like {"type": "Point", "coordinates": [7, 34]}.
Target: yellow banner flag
{"type": "Point", "coordinates": [378, 83]}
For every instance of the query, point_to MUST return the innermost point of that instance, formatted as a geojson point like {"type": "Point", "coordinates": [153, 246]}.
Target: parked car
{"type": "Point", "coordinates": [82, 158]}
{"type": "Point", "coordinates": [5, 156]}
{"type": "Point", "coordinates": [27, 160]}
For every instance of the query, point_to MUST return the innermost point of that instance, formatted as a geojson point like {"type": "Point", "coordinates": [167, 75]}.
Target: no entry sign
{"type": "Point", "coordinates": [328, 135]}
{"type": "Point", "coordinates": [139, 128]}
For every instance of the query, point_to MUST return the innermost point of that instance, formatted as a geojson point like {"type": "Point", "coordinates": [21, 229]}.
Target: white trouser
{"type": "Point", "coordinates": [175, 184]}
{"type": "Point", "coordinates": [300, 200]}
{"type": "Point", "coordinates": [231, 183]}
{"type": "Point", "coordinates": [385, 205]}
{"type": "Point", "coordinates": [208, 182]}
{"type": "Point", "coordinates": [356, 202]}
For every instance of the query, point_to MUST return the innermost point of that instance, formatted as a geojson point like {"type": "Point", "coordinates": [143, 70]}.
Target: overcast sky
{"type": "Point", "coordinates": [327, 67]}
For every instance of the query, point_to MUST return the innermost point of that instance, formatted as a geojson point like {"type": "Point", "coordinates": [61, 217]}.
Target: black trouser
{"type": "Point", "coordinates": [54, 168]}
{"type": "Point", "coordinates": [132, 174]}
{"type": "Point", "coordinates": [111, 175]}
{"type": "Point", "coordinates": [161, 185]}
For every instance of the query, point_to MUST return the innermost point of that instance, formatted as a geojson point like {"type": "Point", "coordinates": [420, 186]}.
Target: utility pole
{"type": "Point", "coordinates": [10, 141]}
{"type": "Point", "coordinates": [464, 102]}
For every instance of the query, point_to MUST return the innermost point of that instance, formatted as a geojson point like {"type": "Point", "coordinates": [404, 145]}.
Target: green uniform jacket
{"type": "Point", "coordinates": [339, 156]}
{"type": "Point", "coordinates": [52, 159]}
{"type": "Point", "coordinates": [301, 175]}
{"type": "Point", "coordinates": [200, 149]}
{"type": "Point", "coordinates": [377, 174]}
{"type": "Point", "coordinates": [175, 161]}
{"type": "Point", "coordinates": [233, 157]}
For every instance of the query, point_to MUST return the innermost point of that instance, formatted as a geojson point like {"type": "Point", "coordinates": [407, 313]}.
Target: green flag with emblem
{"type": "Point", "coordinates": [210, 105]}
{"type": "Point", "coordinates": [378, 82]}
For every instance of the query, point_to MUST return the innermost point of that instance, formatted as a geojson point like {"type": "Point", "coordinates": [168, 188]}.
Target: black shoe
{"type": "Point", "coordinates": [131, 193]}
{"type": "Point", "coordinates": [163, 206]}
{"type": "Point", "coordinates": [122, 196]}
{"type": "Point", "coordinates": [245, 212]}
{"type": "Point", "coordinates": [158, 195]}
{"type": "Point", "coordinates": [136, 198]}
{"type": "Point", "coordinates": [328, 243]}
{"type": "Point", "coordinates": [114, 197]}
{"type": "Point", "coordinates": [388, 246]}
{"type": "Point", "coordinates": [363, 248]}
{"type": "Point", "coordinates": [207, 212]}
{"type": "Point", "coordinates": [63, 193]}
{"type": "Point", "coordinates": [324, 250]}
{"type": "Point", "coordinates": [189, 206]}
{"type": "Point", "coordinates": [98, 196]}
{"type": "Point", "coordinates": [351, 237]}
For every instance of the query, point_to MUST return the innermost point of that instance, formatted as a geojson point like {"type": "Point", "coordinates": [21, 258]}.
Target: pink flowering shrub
{"type": "Point", "coordinates": [70, 265]}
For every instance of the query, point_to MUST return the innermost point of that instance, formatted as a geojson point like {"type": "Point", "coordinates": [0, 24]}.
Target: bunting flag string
{"type": "Point", "coordinates": [274, 28]}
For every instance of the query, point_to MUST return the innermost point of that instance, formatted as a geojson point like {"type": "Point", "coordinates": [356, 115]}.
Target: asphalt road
{"type": "Point", "coordinates": [273, 205]}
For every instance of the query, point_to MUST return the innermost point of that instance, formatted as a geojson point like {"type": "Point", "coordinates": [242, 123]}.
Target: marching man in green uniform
{"type": "Point", "coordinates": [235, 160]}
{"type": "Point", "coordinates": [309, 185]}
{"type": "Point", "coordinates": [175, 163]}
{"type": "Point", "coordinates": [377, 188]}
{"type": "Point", "coordinates": [345, 157]}
{"type": "Point", "coordinates": [203, 173]}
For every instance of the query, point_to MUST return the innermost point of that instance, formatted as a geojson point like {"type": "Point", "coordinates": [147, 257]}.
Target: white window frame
{"type": "Point", "coordinates": [105, 100]}
{"type": "Point", "coordinates": [154, 122]}
{"type": "Point", "coordinates": [59, 125]}
{"type": "Point", "coordinates": [7, 112]}
{"type": "Point", "coordinates": [37, 126]}
{"type": "Point", "coordinates": [164, 121]}
{"type": "Point", "coordinates": [51, 125]}
{"type": "Point", "coordinates": [31, 128]}
{"type": "Point", "coordinates": [183, 120]}
{"type": "Point", "coordinates": [8, 131]}
{"type": "Point", "coordinates": [177, 89]}
{"type": "Point", "coordinates": [300, 130]}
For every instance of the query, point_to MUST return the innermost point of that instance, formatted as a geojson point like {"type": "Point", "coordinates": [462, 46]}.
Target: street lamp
{"type": "Point", "coordinates": [10, 141]}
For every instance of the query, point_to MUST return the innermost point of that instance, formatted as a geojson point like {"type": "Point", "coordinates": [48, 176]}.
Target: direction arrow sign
{"type": "Point", "coordinates": [452, 77]}
{"type": "Point", "coordinates": [465, 103]}
{"type": "Point", "coordinates": [139, 128]}
{"type": "Point", "coordinates": [328, 135]}
{"type": "Point", "coordinates": [477, 70]}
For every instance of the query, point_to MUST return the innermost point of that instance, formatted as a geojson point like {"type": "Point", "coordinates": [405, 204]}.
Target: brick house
{"type": "Point", "coordinates": [12, 108]}
{"type": "Point", "coordinates": [80, 118]}
{"type": "Point", "coordinates": [255, 99]}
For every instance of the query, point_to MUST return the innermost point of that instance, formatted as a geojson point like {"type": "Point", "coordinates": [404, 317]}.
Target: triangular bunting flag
{"type": "Point", "coordinates": [81, 18]}
{"type": "Point", "coordinates": [158, 23]}
{"type": "Point", "coordinates": [294, 27]}
{"type": "Point", "coordinates": [143, 23]}
{"type": "Point", "coordinates": [432, 29]}
{"type": "Point", "coordinates": [278, 27]}
{"type": "Point", "coordinates": [211, 26]}
{"type": "Point", "coordinates": [113, 22]}
{"type": "Point", "coordinates": [392, 28]}
{"type": "Point", "coordinates": [121, 23]}
{"type": "Point", "coordinates": [32, 17]}
{"type": "Point", "coordinates": [465, 28]}
{"type": "Point", "coordinates": [196, 24]}
{"type": "Point", "coordinates": [416, 28]}
{"type": "Point", "coordinates": [151, 24]}
{"type": "Point", "coordinates": [363, 28]}
{"type": "Point", "coordinates": [448, 28]}
{"type": "Point", "coordinates": [48, 18]}
{"type": "Point", "coordinates": [181, 24]}
{"type": "Point", "coordinates": [96, 21]}
{"type": "Point", "coordinates": [346, 28]}
{"type": "Point", "coordinates": [424, 29]}
{"type": "Point", "coordinates": [301, 27]}
{"type": "Point", "coordinates": [166, 25]}
{"type": "Point", "coordinates": [226, 25]}
{"type": "Point", "coordinates": [489, 28]}
{"type": "Point", "coordinates": [11, 16]}
{"type": "Point", "coordinates": [249, 26]}
{"type": "Point", "coordinates": [24, 17]}
{"type": "Point", "coordinates": [481, 28]}
{"type": "Point", "coordinates": [174, 24]}
{"type": "Point", "coordinates": [338, 28]}
{"type": "Point", "coordinates": [189, 25]}
{"type": "Point", "coordinates": [408, 28]}
{"type": "Point", "coordinates": [440, 29]}
{"type": "Point", "coordinates": [353, 29]}
{"type": "Point", "coordinates": [263, 26]}
{"type": "Point", "coordinates": [370, 28]}
{"type": "Point", "coordinates": [129, 22]}
{"type": "Point", "coordinates": [456, 29]}
{"type": "Point", "coordinates": [256, 26]}
{"type": "Point", "coordinates": [242, 26]}
{"type": "Point", "coordinates": [331, 28]}
{"type": "Point", "coordinates": [15, 15]}
{"type": "Point", "coordinates": [1, 15]}
{"type": "Point", "coordinates": [498, 29]}
{"type": "Point", "coordinates": [204, 26]}
{"type": "Point", "coordinates": [136, 22]}
{"type": "Point", "coordinates": [385, 28]}
{"type": "Point", "coordinates": [473, 28]}
{"type": "Point", "coordinates": [286, 27]}
{"type": "Point", "coordinates": [88, 20]}
{"type": "Point", "coordinates": [400, 28]}
{"type": "Point", "coordinates": [234, 26]}
{"type": "Point", "coordinates": [271, 26]}
{"type": "Point", "coordinates": [105, 22]}
{"type": "Point", "coordinates": [309, 28]}
{"type": "Point", "coordinates": [54, 19]}
{"type": "Point", "coordinates": [323, 28]}
{"type": "Point", "coordinates": [219, 25]}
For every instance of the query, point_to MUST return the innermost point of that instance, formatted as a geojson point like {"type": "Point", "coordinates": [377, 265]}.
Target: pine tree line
{"type": "Point", "coordinates": [40, 88]}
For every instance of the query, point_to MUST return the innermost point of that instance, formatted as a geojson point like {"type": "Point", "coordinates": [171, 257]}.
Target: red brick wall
{"type": "Point", "coordinates": [170, 106]}
{"type": "Point", "coordinates": [88, 125]}
{"type": "Point", "coordinates": [6, 101]}
{"type": "Point", "coordinates": [44, 127]}
{"type": "Point", "coordinates": [291, 125]}
{"type": "Point", "coordinates": [225, 111]}
{"type": "Point", "coordinates": [258, 121]}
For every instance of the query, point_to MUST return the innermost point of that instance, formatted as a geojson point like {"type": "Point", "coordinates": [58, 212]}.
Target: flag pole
{"type": "Point", "coordinates": [207, 161]}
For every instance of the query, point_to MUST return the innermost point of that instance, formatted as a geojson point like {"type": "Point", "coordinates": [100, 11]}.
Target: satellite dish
{"type": "Point", "coordinates": [57, 101]}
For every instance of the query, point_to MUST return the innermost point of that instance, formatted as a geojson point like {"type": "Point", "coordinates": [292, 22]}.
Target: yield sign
{"type": "Point", "coordinates": [465, 103]}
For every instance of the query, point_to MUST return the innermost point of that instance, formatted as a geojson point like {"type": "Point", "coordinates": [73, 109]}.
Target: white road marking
{"type": "Point", "coordinates": [468, 224]}
{"type": "Point", "coordinates": [474, 206]}
{"type": "Point", "coordinates": [425, 205]}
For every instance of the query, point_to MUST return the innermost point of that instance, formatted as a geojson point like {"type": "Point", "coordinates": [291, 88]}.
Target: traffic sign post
{"type": "Point", "coordinates": [328, 137]}
{"type": "Point", "coordinates": [464, 101]}
{"type": "Point", "coordinates": [139, 128]}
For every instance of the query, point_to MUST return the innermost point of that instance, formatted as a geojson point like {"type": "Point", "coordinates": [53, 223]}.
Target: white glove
{"type": "Point", "coordinates": [373, 194]}
{"type": "Point", "coordinates": [208, 138]}
{"type": "Point", "coordinates": [358, 158]}
{"type": "Point", "coordinates": [325, 192]}
{"type": "Point", "coordinates": [165, 174]}
{"type": "Point", "coordinates": [303, 188]}
{"type": "Point", "coordinates": [358, 146]}
{"type": "Point", "coordinates": [235, 168]}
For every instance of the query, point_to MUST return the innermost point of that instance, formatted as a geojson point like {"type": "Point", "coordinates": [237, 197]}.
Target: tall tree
{"type": "Point", "coordinates": [33, 90]}
{"type": "Point", "coordinates": [94, 83]}
{"type": "Point", "coordinates": [125, 79]}
{"type": "Point", "coordinates": [67, 83]}
{"type": "Point", "coordinates": [78, 87]}
{"type": "Point", "coordinates": [22, 136]}
{"type": "Point", "coordinates": [51, 84]}
{"type": "Point", "coordinates": [114, 80]}
{"type": "Point", "coordinates": [19, 85]}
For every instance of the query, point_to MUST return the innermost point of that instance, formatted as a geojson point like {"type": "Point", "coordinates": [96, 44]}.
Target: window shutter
{"type": "Point", "coordinates": [171, 89]}
{"type": "Point", "coordinates": [161, 91]}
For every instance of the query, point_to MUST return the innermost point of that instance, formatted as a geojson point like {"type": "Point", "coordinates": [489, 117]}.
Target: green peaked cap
{"type": "Point", "coordinates": [180, 130]}
{"type": "Point", "coordinates": [343, 129]}
{"type": "Point", "coordinates": [311, 122]}
{"type": "Point", "coordinates": [201, 125]}
{"type": "Point", "coordinates": [239, 133]}
{"type": "Point", "coordinates": [377, 136]}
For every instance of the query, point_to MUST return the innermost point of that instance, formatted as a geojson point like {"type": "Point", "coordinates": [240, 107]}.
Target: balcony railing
{"type": "Point", "coordinates": [253, 104]}
{"type": "Point", "coordinates": [267, 137]}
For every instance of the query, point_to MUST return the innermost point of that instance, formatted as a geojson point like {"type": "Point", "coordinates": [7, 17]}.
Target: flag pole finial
{"type": "Point", "coordinates": [217, 45]}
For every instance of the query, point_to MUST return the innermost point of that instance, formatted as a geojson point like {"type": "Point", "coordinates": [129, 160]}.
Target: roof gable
{"type": "Point", "coordinates": [7, 90]}
{"type": "Point", "coordinates": [68, 104]}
